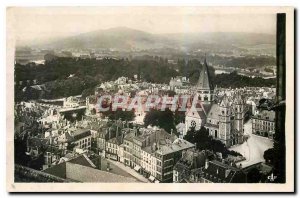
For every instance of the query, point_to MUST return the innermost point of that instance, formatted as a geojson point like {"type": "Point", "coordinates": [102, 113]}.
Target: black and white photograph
{"type": "Point", "coordinates": [154, 96]}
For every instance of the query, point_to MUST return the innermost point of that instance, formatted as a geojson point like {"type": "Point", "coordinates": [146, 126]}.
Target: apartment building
{"type": "Point", "coordinates": [263, 124]}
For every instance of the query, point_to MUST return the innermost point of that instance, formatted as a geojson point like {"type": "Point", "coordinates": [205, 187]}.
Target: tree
{"type": "Point", "coordinates": [179, 116]}
{"type": "Point", "coordinates": [20, 148]}
{"type": "Point", "coordinates": [204, 141]}
{"type": "Point", "coordinates": [87, 92]}
{"type": "Point", "coordinates": [162, 119]}
{"type": "Point", "coordinates": [269, 155]}
{"type": "Point", "coordinates": [119, 114]}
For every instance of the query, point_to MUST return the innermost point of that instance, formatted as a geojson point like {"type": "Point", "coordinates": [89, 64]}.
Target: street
{"type": "Point", "coordinates": [253, 149]}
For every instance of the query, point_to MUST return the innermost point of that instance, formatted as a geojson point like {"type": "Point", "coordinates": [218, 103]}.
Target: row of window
{"type": "Point", "coordinates": [84, 140]}
{"type": "Point", "coordinates": [112, 145]}
{"type": "Point", "coordinates": [114, 151]}
{"type": "Point", "coordinates": [264, 122]}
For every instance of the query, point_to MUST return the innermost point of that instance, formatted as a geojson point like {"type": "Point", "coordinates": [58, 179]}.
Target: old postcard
{"type": "Point", "coordinates": [150, 99]}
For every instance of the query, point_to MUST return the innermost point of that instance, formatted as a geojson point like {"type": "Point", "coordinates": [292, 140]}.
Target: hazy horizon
{"type": "Point", "coordinates": [50, 23]}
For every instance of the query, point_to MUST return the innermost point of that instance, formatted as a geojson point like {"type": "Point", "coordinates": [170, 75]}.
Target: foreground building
{"type": "Point", "coordinates": [189, 168]}
{"type": "Point", "coordinates": [153, 152]}
{"type": "Point", "coordinates": [82, 169]}
{"type": "Point", "coordinates": [218, 172]}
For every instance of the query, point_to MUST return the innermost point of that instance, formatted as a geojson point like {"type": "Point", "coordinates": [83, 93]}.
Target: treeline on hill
{"type": "Point", "coordinates": [193, 68]}
{"type": "Point", "coordinates": [243, 62]}
{"type": "Point", "coordinates": [87, 73]}
{"type": "Point", "coordinates": [106, 69]}
{"type": "Point", "coordinates": [234, 80]}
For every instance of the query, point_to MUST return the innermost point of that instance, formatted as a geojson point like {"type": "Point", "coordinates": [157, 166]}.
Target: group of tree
{"type": "Point", "coordinates": [204, 141]}
{"type": "Point", "coordinates": [269, 156]}
{"type": "Point", "coordinates": [163, 119]}
{"type": "Point", "coordinates": [105, 69]}
{"type": "Point", "coordinates": [234, 80]}
{"type": "Point", "coordinates": [243, 61]}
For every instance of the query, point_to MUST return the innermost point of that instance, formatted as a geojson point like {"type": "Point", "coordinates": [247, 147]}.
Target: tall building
{"type": "Point", "coordinates": [226, 119]}
{"type": "Point", "coordinates": [239, 110]}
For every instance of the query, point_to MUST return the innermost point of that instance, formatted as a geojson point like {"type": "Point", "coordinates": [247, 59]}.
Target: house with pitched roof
{"type": "Point", "coordinates": [219, 172]}
{"type": "Point", "coordinates": [189, 168]}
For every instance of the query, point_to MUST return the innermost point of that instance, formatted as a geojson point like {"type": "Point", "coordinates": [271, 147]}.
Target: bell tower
{"type": "Point", "coordinates": [239, 117]}
{"type": "Point", "coordinates": [205, 88]}
{"type": "Point", "coordinates": [225, 122]}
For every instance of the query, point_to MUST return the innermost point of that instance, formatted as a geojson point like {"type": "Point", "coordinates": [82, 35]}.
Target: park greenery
{"type": "Point", "coordinates": [204, 141]}
{"type": "Point", "coordinates": [162, 119]}
{"type": "Point", "coordinates": [63, 77]}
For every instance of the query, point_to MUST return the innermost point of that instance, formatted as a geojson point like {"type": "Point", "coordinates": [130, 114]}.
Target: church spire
{"type": "Point", "coordinates": [204, 80]}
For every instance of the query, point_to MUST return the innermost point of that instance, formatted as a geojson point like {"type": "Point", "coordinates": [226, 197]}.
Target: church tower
{"type": "Point", "coordinates": [225, 122]}
{"type": "Point", "coordinates": [204, 86]}
{"type": "Point", "coordinates": [239, 118]}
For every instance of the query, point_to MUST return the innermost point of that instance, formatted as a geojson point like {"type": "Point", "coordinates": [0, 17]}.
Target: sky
{"type": "Point", "coordinates": [46, 23]}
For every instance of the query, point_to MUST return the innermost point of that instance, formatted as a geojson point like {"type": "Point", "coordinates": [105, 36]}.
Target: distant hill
{"type": "Point", "coordinates": [123, 38]}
